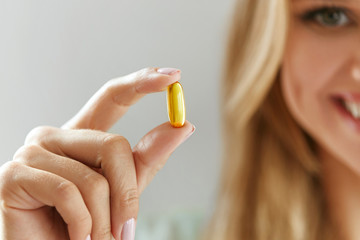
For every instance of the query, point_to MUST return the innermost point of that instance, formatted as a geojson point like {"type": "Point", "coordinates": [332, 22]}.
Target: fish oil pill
{"type": "Point", "coordinates": [176, 104]}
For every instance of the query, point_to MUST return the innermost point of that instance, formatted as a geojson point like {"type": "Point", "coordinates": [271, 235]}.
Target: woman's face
{"type": "Point", "coordinates": [320, 75]}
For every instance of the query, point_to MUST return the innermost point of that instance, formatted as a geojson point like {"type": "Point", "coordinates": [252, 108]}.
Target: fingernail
{"type": "Point", "coordinates": [88, 237]}
{"type": "Point", "coordinates": [128, 232]}
{"type": "Point", "coordinates": [189, 134]}
{"type": "Point", "coordinates": [168, 71]}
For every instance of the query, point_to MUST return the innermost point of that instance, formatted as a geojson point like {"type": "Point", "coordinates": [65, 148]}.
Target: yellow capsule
{"type": "Point", "coordinates": [176, 104]}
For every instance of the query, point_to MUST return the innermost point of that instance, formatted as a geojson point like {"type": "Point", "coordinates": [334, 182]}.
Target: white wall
{"type": "Point", "coordinates": [55, 54]}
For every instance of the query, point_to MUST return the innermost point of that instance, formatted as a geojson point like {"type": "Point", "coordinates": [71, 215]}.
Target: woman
{"type": "Point", "coordinates": [290, 107]}
{"type": "Point", "coordinates": [291, 96]}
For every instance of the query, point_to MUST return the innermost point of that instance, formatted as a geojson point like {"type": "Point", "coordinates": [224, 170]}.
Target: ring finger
{"type": "Point", "coordinates": [93, 186]}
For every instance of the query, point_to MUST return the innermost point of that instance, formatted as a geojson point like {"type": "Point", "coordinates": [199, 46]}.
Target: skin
{"type": "Point", "coordinates": [69, 182]}
{"type": "Point", "coordinates": [320, 61]}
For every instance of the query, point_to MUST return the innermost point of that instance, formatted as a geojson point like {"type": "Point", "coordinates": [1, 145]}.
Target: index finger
{"type": "Point", "coordinates": [114, 98]}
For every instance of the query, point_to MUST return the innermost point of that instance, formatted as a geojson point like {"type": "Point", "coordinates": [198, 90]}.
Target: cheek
{"type": "Point", "coordinates": [309, 70]}
{"type": "Point", "coordinates": [314, 67]}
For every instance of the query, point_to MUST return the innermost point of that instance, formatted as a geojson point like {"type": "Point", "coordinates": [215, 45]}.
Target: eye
{"type": "Point", "coordinates": [332, 17]}
{"type": "Point", "coordinates": [328, 16]}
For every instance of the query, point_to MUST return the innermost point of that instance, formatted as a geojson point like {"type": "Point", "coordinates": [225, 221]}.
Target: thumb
{"type": "Point", "coordinates": [153, 150]}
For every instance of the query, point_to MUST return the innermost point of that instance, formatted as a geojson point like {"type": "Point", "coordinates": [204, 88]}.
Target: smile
{"type": "Point", "coordinates": [353, 108]}
{"type": "Point", "coordinates": [348, 105]}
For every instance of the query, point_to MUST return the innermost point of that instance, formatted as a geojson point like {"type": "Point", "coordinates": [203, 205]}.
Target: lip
{"type": "Point", "coordinates": [337, 99]}
{"type": "Point", "coordinates": [348, 96]}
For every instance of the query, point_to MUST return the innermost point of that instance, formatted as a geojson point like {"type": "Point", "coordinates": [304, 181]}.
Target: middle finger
{"type": "Point", "coordinates": [93, 186]}
{"type": "Point", "coordinates": [109, 152]}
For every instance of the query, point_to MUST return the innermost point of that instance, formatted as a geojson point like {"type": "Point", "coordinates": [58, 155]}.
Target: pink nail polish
{"type": "Point", "coordinates": [168, 71]}
{"type": "Point", "coordinates": [128, 231]}
{"type": "Point", "coordinates": [189, 134]}
{"type": "Point", "coordinates": [88, 237]}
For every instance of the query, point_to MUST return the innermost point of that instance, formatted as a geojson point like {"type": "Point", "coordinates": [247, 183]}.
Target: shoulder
{"type": "Point", "coordinates": [176, 225]}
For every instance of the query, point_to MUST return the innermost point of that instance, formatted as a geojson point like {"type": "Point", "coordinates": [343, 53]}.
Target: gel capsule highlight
{"type": "Point", "coordinates": [176, 104]}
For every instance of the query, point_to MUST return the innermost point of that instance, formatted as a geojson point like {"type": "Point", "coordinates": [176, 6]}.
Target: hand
{"type": "Point", "coordinates": [69, 182]}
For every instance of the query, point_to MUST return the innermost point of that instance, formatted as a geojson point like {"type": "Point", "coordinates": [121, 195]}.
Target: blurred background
{"type": "Point", "coordinates": [54, 55]}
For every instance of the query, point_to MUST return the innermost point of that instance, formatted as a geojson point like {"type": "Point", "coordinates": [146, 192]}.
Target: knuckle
{"type": "Point", "coordinates": [84, 219]}
{"type": "Point", "coordinates": [130, 199]}
{"type": "Point", "coordinates": [98, 183]}
{"type": "Point", "coordinates": [66, 190]}
{"type": "Point", "coordinates": [39, 134]}
{"type": "Point", "coordinates": [143, 73]}
{"type": "Point", "coordinates": [103, 233]}
{"type": "Point", "coordinates": [8, 172]}
{"type": "Point", "coordinates": [27, 153]}
{"type": "Point", "coordinates": [115, 143]}
{"type": "Point", "coordinates": [109, 86]}
{"type": "Point", "coordinates": [146, 71]}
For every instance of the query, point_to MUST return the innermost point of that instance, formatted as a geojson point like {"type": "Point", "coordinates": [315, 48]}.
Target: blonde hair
{"type": "Point", "coordinates": [271, 185]}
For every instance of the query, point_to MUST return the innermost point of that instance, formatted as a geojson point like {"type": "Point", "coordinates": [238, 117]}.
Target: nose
{"type": "Point", "coordinates": [355, 70]}
{"type": "Point", "coordinates": [356, 73]}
